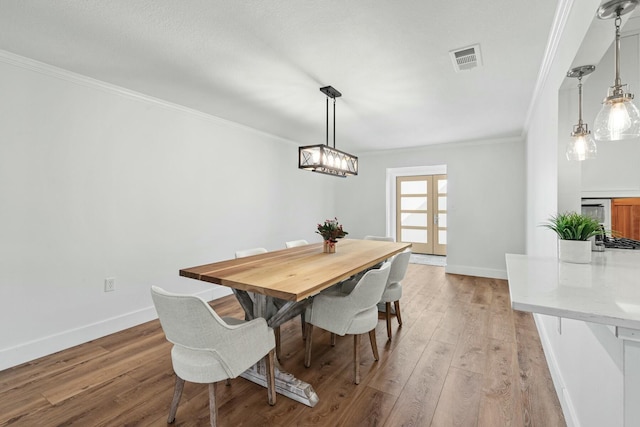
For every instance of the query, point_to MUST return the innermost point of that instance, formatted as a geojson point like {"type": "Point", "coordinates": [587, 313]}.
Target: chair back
{"type": "Point", "coordinates": [187, 320]}
{"type": "Point", "coordinates": [250, 252]}
{"type": "Point", "coordinates": [369, 289]}
{"type": "Point", "coordinates": [399, 265]}
{"type": "Point", "coordinates": [295, 243]}
{"type": "Point", "coordinates": [379, 238]}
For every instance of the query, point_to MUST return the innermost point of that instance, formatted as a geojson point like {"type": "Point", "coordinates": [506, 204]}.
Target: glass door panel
{"type": "Point", "coordinates": [440, 215]}
{"type": "Point", "coordinates": [414, 219]}
{"type": "Point", "coordinates": [421, 212]}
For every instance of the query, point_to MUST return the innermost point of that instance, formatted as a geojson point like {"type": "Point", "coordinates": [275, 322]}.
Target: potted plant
{"type": "Point", "coordinates": [331, 231]}
{"type": "Point", "coordinates": [574, 231]}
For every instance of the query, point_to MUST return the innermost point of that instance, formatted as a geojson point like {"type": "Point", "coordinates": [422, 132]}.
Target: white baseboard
{"type": "Point", "coordinates": [31, 350]}
{"type": "Point", "coordinates": [476, 271]}
{"type": "Point", "coordinates": [558, 382]}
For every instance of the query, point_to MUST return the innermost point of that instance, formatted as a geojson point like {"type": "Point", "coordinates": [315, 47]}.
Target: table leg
{"type": "Point", "coordinates": [286, 384]}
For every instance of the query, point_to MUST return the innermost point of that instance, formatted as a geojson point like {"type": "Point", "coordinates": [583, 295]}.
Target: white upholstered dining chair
{"type": "Point", "coordinates": [393, 289]}
{"type": "Point", "coordinates": [207, 348]}
{"type": "Point", "coordinates": [355, 314]}
{"type": "Point", "coordinates": [379, 238]}
{"type": "Point", "coordinates": [249, 252]}
{"type": "Point", "coordinates": [376, 238]}
{"type": "Point", "coordinates": [295, 243]}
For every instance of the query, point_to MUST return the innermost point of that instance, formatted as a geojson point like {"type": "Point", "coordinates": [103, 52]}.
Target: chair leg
{"type": "Point", "coordinates": [276, 332]}
{"type": "Point", "coordinates": [213, 410]}
{"type": "Point", "coordinates": [397, 305]}
{"type": "Point", "coordinates": [307, 345]}
{"type": "Point", "coordinates": [271, 378]}
{"type": "Point", "coordinates": [356, 358]}
{"type": "Point", "coordinates": [387, 315]}
{"type": "Point", "coordinates": [374, 344]}
{"type": "Point", "coordinates": [177, 393]}
{"type": "Point", "coordinates": [304, 325]}
{"type": "Point", "coordinates": [333, 339]}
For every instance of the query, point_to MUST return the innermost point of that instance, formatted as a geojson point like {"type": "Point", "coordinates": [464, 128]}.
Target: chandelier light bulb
{"type": "Point", "coordinates": [581, 147]}
{"type": "Point", "coordinates": [617, 120]}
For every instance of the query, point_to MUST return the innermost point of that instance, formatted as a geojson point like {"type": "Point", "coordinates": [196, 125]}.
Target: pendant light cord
{"type": "Point", "coordinates": [618, 82]}
{"type": "Point", "coordinates": [327, 123]}
{"type": "Point", "coordinates": [580, 101]}
{"type": "Point", "coordinates": [334, 123]}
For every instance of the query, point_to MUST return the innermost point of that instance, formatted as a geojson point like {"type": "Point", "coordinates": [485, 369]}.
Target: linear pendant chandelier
{"type": "Point", "coordinates": [322, 158]}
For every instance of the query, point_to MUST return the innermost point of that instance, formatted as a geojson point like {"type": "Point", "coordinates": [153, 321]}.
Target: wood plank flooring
{"type": "Point", "coordinates": [462, 358]}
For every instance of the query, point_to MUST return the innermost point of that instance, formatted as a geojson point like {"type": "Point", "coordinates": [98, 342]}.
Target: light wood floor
{"type": "Point", "coordinates": [462, 358]}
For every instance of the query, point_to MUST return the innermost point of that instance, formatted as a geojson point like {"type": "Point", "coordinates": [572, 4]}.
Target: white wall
{"type": "Point", "coordinates": [569, 172]}
{"type": "Point", "coordinates": [486, 200]}
{"type": "Point", "coordinates": [584, 359]}
{"type": "Point", "coordinates": [542, 173]}
{"type": "Point", "coordinates": [98, 182]}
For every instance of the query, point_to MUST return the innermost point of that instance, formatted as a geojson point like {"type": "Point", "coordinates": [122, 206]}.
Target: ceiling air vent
{"type": "Point", "coordinates": [466, 58]}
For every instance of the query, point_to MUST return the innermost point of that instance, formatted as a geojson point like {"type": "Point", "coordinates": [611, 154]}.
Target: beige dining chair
{"type": "Point", "coordinates": [379, 238]}
{"type": "Point", "coordinates": [295, 243]}
{"type": "Point", "coordinates": [354, 314]}
{"type": "Point", "coordinates": [393, 289]}
{"type": "Point", "coordinates": [207, 348]}
{"type": "Point", "coordinates": [249, 252]}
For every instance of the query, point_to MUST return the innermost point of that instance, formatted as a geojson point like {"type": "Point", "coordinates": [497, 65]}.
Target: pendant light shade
{"type": "Point", "coordinates": [581, 146]}
{"type": "Point", "coordinates": [322, 158]}
{"type": "Point", "coordinates": [619, 118]}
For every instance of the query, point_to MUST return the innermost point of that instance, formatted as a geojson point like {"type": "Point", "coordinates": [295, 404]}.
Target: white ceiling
{"type": "Point", "coordinates": [261, 63]}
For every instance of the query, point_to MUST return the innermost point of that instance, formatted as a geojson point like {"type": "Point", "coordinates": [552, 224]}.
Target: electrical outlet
{"type": "Point", "coordinates": [109, 284]}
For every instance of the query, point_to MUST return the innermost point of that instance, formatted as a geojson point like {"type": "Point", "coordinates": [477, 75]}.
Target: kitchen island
{"type": "Point", "coordinates": [606, 291]}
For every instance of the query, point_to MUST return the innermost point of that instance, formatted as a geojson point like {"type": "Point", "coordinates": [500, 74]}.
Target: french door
{"type": "Point", "coordinates": [421, 213]}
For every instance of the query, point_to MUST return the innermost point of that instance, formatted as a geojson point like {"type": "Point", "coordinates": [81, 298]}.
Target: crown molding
{"type": "Point", "coordinates": [446, 145]}
{"type": "Point", "coordinates": [82, 80]}
{"type": "Point", "coordinates": [557, 29]}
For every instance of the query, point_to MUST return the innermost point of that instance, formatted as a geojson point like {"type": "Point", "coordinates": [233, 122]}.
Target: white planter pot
{"type": "Point", "coordinates": [576, 251]}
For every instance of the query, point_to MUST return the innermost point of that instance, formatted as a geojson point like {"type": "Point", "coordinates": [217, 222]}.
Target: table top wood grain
{"type": "Point", "coordinates": [296, 273]}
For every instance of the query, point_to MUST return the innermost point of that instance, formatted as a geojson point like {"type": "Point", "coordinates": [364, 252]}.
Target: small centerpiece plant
{"type": "Point", "coordinates": [573, 226]}
{"type": "Point", "coordinates": [331, 231]}
{"type": "Point", "coordinates": [574, 231]}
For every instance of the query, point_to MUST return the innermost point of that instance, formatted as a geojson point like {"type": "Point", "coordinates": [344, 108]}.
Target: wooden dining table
{"type": "Point", "coordinates": [288, 279]}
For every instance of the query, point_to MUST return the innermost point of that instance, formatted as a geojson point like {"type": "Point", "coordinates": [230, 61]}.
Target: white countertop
{"type": "Point", "coordinates": [607, 291]}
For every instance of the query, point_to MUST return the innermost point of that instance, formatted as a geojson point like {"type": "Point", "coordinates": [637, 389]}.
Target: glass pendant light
{"type": "Point", "coordinates": [581, 146]}
{"type": "Point", "coordinates": [619, 118]}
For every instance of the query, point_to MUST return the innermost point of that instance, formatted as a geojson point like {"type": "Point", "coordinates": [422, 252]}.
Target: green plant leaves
{"type": "Point", "coordinates": [573, 226]}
